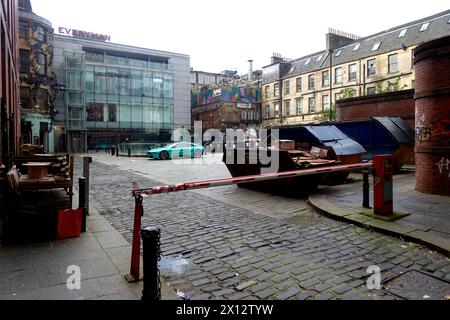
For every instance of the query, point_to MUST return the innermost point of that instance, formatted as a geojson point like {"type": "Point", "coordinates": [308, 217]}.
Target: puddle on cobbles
{"type": "Point", "coordinates": [172, 265]}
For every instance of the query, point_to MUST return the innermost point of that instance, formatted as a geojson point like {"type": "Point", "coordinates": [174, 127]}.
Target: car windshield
{"type": "Point", "coordinates": [171, 145]}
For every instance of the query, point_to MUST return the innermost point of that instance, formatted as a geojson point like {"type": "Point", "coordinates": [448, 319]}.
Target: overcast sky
{"type": "Point", "coordinates": [221, 35]}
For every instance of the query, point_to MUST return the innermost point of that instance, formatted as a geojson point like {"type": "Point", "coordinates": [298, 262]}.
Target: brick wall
{"type": "Point", "coordinates": [433, 117]}
{"type": "Point", "coordinates": [395, 104]}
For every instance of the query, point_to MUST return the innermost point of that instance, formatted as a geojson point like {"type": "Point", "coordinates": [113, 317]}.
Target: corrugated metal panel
{"type": "Point", "coordinates": [346, 147]}
{"type": "Point", "coordinates": [406, 129]}
{"type": "Point", "coordinates": [331, 136]}
{"type": "Point", "coordinates": [397, 128]}
{"type": "Point", "coordinates": [326, 133]}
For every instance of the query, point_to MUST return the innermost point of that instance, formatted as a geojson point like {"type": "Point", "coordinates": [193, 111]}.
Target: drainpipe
{"type": "Point", "coordinates": [280, 99]}
{"type": "Point", "coordinates": [331, 84]}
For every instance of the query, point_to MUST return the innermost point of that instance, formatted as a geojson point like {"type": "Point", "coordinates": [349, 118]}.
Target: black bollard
{"type": "Point", "coordinates": [366, 189]}
{"type": "Point", "coordinates": [117, 151]}
{"type": "Point", "coordinates": [113, 152]}
{"type": "Point", "coordinates": [86, 174]}
{"type": "Point", "coordinates": [129, 152]}
{"type": "Point", "coordinates": [151, 255]}
{"type": "Point", "coordinates": [82, 202]}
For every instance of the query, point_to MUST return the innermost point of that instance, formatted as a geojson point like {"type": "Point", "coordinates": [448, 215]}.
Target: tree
{"type": "Point", "coordinates": [332, 113]}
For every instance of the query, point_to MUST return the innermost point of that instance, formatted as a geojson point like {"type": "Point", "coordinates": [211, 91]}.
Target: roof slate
{"type": "Point", "coordinates": [390, 41]}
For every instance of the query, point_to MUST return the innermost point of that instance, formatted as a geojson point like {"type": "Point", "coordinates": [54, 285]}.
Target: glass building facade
{"type": "Point", "coordinates": [118, 99]}
{"type": "Point", "coordinates": [118, 95]}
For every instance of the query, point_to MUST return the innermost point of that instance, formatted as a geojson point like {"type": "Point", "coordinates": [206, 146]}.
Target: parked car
{"type": "Point", "coordinates": [177, 150]}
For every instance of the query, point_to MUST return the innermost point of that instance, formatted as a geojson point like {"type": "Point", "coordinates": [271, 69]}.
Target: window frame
{"type": "Point", "coordinates": [374, 68]}
{"type": "Point", "coordinates": [350, 73]}
{"type": "Point", "coordinates": [42, 36]}
{"type": "Point", "coordinates": [299, 106]}
{"type": "Point", "coordinates": [324, 107]}
{"type": "Point", "coordinates": [326, 85]}
{"type": "Point", "coordinates": [25, 98]}
{"type": "Point", "coordinates": [376, 46]}
{"type": "Point", "coordinates": [313, 82]}
{"type": "Point", "coordinates": [276, 110]}
{"type": "Point", "coordinates": [392, 65]}
{"type": "Point", "coordinates": [22, 24]}
{"type": "Point", "coordinates": [424, 27]}
{"type": "Point", "coordinates": [299, 84]}
{"type": "Point", "coordinates": [337, 96]}
{"type": "Point", "coordinates": [341, 76]}
{"type": "Point", "coordinates": [312, 107]}
{"type": "Point", "coordinates": [276, 90]}
{"type": "Point", "coordinates": [287, 87]}
{"type": "Point", "coordinates": [24, 53]}
{"type": "Point", "coordinates": [287, 108]}
{"type": "Point", "coordinates": [374, 91]}
{"type": "Point", "coordinates": [267, 111]}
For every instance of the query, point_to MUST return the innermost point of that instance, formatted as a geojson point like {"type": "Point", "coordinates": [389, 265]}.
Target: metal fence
{"type": "Point", "coordinates": [139, 149]}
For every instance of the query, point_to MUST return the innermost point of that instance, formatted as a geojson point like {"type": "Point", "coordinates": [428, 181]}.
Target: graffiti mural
{"type": "Point", "coordinates": [444, 166]}
{"type": "Point", "coordinates": [426, 133]}
{"type": "Point", "coordinates": [226, 94]}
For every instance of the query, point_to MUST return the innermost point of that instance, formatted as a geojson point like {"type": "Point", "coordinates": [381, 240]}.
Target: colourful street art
{"type": "Point", "coordinates": [226, 94]}
{"type": "Point", "coordinates": [427, 133]}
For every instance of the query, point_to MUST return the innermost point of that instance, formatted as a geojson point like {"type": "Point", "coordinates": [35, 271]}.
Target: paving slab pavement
{"type": "Point", "coordinates": [38, 271]}
{"type": "Point", "coordinates": [427, 222]}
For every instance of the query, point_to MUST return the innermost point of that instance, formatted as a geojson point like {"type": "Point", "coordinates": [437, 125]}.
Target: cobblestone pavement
{"type": "Point", "coordinates": [237, 253]}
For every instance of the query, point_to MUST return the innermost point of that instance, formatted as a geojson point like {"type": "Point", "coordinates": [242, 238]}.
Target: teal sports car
{"type": "Point", "coordinates": [177, 151]}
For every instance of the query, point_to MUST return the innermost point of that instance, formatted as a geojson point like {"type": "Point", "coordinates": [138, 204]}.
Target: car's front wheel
{"type": "Point", "coordinates": [164, 155]}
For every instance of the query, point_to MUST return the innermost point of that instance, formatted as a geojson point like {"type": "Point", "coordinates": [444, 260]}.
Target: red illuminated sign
{"type": "Point", "coordinates": [84, 34]}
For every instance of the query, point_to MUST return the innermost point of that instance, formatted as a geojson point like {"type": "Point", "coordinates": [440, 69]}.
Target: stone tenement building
{"type": "Point", "coordinates": [302, 90]}
{"type": "Point", "coordinates": [38, 86]}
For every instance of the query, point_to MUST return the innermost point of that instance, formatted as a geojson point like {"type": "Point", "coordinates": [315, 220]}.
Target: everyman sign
{"type": "Point", "coordinates": [84, 34]}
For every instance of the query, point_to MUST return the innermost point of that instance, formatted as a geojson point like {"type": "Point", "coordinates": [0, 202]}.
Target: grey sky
{"type": "Point", "coordinates": [221, 35]}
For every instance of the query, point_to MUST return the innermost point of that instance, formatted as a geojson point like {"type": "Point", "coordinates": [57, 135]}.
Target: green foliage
{"type": "Point", "coordinates": [393, 86]}
{"type": "Point", "coordinates": [325, 117]}
{"type": "Point", "coordinates": [347, 93]}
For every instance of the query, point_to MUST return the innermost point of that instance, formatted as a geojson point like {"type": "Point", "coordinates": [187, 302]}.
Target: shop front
{"type": "Point", "coordinates": [37, 130]}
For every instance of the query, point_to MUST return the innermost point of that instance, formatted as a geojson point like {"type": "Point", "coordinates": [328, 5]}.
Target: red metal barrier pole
{"type": "Point", "coordinates": [136, 247]}
{"type": "Point", "coordinates": [383, 194]}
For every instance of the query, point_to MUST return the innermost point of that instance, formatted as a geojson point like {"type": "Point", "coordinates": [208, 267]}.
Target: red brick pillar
{"type": "Point", "coordinates": [432, 63]}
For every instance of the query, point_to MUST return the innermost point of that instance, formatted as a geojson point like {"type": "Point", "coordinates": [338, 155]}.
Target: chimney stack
{"type": "Point", "coordinates": [250, 70]}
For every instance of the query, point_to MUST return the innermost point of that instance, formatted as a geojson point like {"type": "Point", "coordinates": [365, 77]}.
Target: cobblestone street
{"type": "Point", "coordinates": [240, 244]}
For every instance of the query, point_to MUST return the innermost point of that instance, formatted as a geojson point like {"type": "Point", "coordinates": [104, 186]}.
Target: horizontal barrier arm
{"type": "Point", "coordinates": [204, 184]}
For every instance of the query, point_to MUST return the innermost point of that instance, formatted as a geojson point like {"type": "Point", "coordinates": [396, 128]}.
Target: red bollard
{"type": "Point", "coordinates": [383, 194]}
{"type": "Point", "coordinates": [136, 247]}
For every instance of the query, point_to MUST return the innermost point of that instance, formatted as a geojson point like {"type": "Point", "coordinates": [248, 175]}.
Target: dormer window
{"type": "Point", "coordinates": [307, 62]}
{"type": "Point", "coordinates": [319, 58]}
{"type": "Point", "coordinates": [402, 33]}
{"type": "Point", "coordinates": [357, 46]}
{"type": "Point", "coordinates": [338, 53]}
{"type": "Point", "coordinates": [376, 46]}
{"type": "Point", "coordinates": [424, 27]}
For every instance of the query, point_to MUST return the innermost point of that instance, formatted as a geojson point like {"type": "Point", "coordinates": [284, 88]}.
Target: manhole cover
{"type": "Point", "coordinates": [415, 285]}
